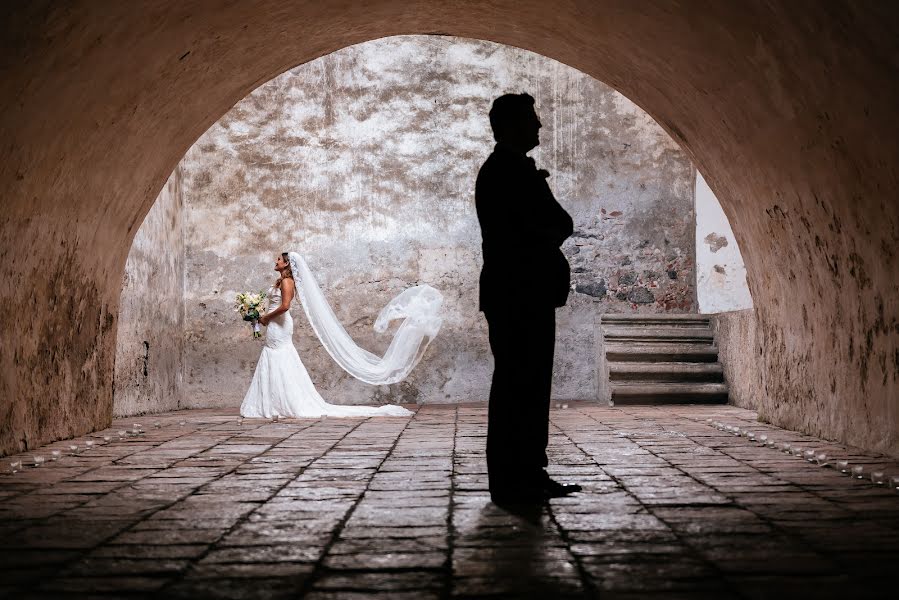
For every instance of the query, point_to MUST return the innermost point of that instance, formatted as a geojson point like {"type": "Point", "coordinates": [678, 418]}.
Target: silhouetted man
{"type": "Point", "coordinates": [524, 279]}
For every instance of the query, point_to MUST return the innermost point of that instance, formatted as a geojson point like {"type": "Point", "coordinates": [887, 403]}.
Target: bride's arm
{"type": "Point", "coordinates": [288, 288]}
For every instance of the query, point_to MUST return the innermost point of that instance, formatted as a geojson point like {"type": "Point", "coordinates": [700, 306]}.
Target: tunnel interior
{"type": "Point", "coordinates": [772, 104]}
{"type": "Point", "coordinates": [788, 110]}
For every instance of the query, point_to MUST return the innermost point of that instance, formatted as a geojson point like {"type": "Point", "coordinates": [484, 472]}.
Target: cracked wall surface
{"type": "Point", "coordinates": [365, 160]}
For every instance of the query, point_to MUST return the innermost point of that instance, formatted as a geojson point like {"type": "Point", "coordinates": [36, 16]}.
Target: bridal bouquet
{"type": "Point", "coordinates": [248, 305]}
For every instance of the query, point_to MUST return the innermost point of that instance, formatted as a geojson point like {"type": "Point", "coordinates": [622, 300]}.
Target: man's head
{"type": "Point", "coordinates": [514, 121]}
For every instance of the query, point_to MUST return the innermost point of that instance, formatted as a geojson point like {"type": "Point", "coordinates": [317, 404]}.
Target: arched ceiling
{"type": "Point", "coordinates": [787, 108]}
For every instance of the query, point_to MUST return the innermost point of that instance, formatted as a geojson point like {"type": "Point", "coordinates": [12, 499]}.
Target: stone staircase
{"type": "Point", "coordinates": [662, 359]}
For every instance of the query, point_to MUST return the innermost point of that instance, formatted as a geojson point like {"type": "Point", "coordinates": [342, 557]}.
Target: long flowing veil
{"type": "Point", "coordinates": [419, 307]}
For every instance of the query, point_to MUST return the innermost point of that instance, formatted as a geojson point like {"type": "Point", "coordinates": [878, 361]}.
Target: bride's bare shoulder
{"type": "Point", "coordinates": [287, 283]}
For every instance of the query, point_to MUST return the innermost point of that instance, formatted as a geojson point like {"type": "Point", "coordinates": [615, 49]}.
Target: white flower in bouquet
{"type": "Point", "coordinates": [250, 305]}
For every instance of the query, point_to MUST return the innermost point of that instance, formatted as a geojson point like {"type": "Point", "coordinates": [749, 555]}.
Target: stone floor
{"type": "Point", "coordinates": [201, 505]}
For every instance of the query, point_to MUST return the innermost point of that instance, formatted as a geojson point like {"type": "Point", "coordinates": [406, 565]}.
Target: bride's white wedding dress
{"type": "Point", "coordinates": [282, 386]}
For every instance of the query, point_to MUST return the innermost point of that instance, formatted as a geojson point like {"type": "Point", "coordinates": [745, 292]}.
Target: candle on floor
{"type": "Point", "coordinates": [858, 472]}
{"type": "Point", "coordinates": [122, 434]}
{"type": "Point", "coordinates": [38, 460]}
{"type": "Point", "coordinates": [55, 454]}
{"type": "Point", "coordinates": [843, 466]}
{"type": "Point", "coordinates": [73, 449]}
{"type": "Point", "coordinates": [822, 459]}
{"type": "Point", "coordinates": [15, 466]}
{"type": "Point", "coordinates": [878, 478]}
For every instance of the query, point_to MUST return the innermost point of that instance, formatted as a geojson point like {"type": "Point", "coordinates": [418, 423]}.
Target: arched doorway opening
{"type": "Point", "coordinates": [364, 160]}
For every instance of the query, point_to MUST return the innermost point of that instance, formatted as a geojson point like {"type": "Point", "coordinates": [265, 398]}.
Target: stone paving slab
{"type": "Point", "coordinates": [201, 504]}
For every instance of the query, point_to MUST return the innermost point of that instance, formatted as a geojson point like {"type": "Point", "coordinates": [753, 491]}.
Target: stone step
{"type": "Point", "coordinates": [675, 320]}
{"type": "Point", "coordinates": [628, 393]}
{"type": "Point", "coordinates": [666, 372]}
{"type": "Point", "coordinates": [650, 340]}
{"type": "Point", "coordinates": [657, 333]}
{"type": "Point", "coordinates": [661, 352]}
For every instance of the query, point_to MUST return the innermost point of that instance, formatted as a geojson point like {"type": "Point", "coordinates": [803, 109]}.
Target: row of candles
{"type": "Point", "coordinates": [73, 450]}
{"type": "Point", "coordinates": [275, 418]}
{"type": "Point", "coordinates": [812, 456]}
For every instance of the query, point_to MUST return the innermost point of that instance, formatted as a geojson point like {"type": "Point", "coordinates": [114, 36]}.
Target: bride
{"type": "Point", "coordinates": [282, 387]}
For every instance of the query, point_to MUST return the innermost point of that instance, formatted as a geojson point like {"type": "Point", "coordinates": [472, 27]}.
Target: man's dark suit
{"type": "Point", "coordinates": [524, 279]}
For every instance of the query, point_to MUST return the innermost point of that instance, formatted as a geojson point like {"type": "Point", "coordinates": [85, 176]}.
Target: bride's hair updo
{"type": "Point", "coordinates": [288, 272]}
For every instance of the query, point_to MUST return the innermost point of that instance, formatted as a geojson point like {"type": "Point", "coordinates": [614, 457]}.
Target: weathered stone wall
{"type": "Point", "coordinates": [720, 273]}
{"type": "Point", "coordinates": [738, 353]}
{"type": "Point", "coordinates": [150, 339]}
{"type": "Point", "coordinates": [365, 161]}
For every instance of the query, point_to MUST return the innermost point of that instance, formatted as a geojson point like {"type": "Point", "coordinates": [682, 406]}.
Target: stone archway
{"type": "Point", "coordinates": [789, 111]}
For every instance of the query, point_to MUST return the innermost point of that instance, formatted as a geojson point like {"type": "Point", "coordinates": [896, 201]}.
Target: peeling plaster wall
{"type": "Point", "coordinates": [150, 338]}
{"type": "Point", "coordinates": [720, 273]}
{"type": "Point", "coordinates": [365, 161]}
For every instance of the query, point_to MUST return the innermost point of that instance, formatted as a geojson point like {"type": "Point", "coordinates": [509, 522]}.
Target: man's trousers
{"type": "Point", "coordinates": [523, 343]}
